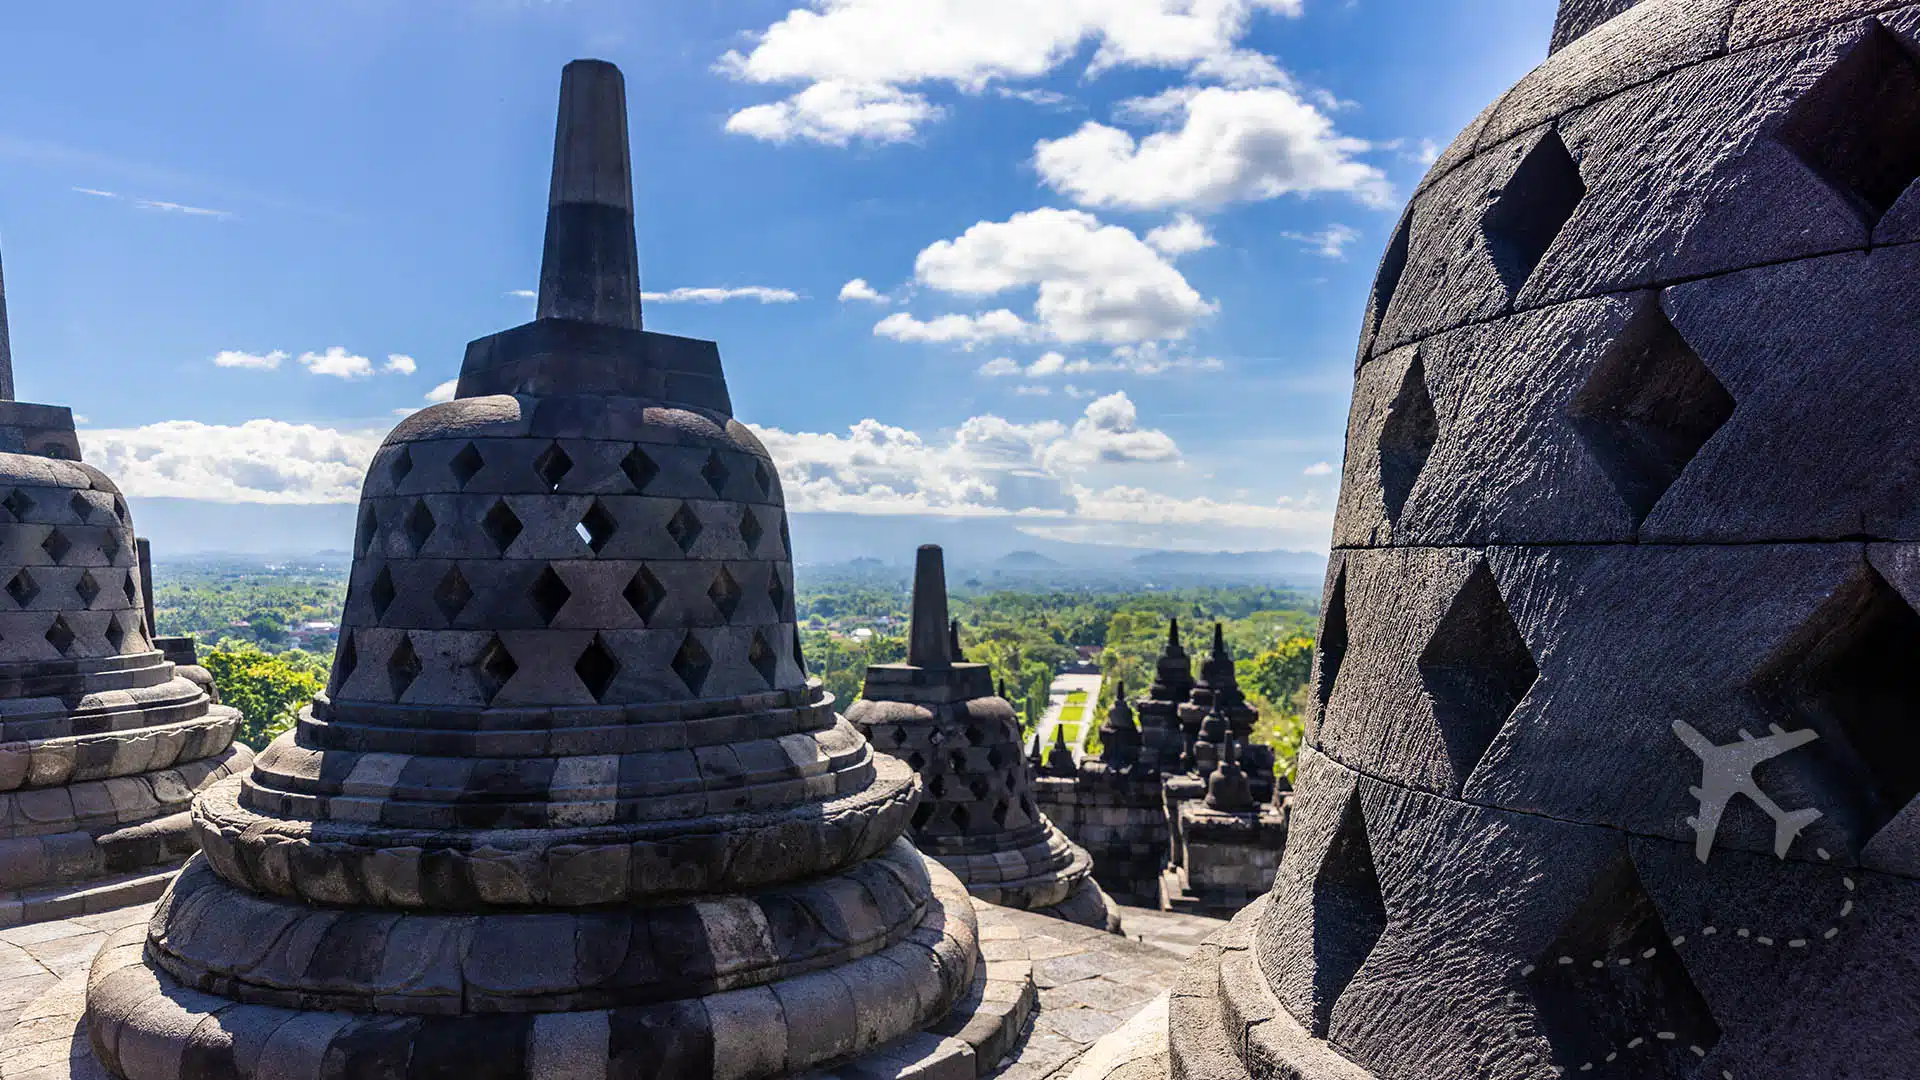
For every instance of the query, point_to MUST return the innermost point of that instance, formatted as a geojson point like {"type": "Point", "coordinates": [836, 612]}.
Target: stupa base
{"type": "Point", "coordinates": [145, 1025]}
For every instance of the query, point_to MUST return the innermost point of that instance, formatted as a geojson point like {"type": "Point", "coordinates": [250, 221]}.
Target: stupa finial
{"type": "Point", "coordinates": [929, 634]}
{"type": "Point", "coordinates": [6, 350]}
{"type": "Point", "coordinates": [591, 268]}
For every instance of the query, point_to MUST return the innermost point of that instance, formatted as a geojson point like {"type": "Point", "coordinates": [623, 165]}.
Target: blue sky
{"type": "Point", "coordinates": [1114, 251]}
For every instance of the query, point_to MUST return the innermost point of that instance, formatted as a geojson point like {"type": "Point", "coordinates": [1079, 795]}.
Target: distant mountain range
{"type": "Point", "coordinates": [992, 548]}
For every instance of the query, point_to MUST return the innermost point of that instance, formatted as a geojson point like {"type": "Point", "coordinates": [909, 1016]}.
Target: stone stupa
{"type": "Point", "coordinates": [570, 806]}
{"type": "Point", "coordinates": [102, 741]}
{"type": "Point", "coordinates": [977, 814]}
{"type": "Point", "coordinates": [1162, 744]}
{"type": "Point", "coordinates": [1613, 764]}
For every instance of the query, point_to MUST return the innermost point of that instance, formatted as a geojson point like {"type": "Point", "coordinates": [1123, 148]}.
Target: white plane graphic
{"type": "Point", "coordinates": [1728, 771]}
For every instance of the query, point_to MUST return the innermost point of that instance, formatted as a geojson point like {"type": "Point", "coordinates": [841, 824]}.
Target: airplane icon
{"type": "Point", "coordinates": [1728, 771]}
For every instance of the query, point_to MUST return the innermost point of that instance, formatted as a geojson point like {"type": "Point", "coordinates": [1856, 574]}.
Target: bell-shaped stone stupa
{"type": "Point", "coordinates": [570, 806]}
{"type": "Point", "coordinates": [1613, 764]}
{"type": "Point", "coordinates": [1162, 744]}
{"type": "Point", "coordinates": [102, 741]}
{"type": "Point", "coordinates": [977, 814]}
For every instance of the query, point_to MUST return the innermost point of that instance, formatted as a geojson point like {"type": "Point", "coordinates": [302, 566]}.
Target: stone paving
{"type": "Point", "coordinates": [1090, 982]}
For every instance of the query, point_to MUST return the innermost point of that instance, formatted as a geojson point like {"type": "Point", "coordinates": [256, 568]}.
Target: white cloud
{"type": "Point", "coordinates": [858, 56]}
{"type": "Point", "coordinates": [236, 358]}
{"type": "Point", "coordinates": [400, 364]}
{"type": "Point", "coordinates": [1216, 146]}
{"type": "Point", "coordinates": [837, 113]}
{"type": "Point", "coordinates": [157, 204]}
{"type": "Point", "coordinates": [97, 193]}
{"type": "Point", "coordinates": [338, 363]}
{"type": "Point", "coordinates": [1132, 360]}
{"type": "Point", "coordinates": [965, 330]}
{"type": "Point", "coordinates": [998, 366]}
{"type": "Point", "coordinates": [858, 289]}
{"type": "Point", "coordinates": [1046, 99]}
{"type": "Point", "coordinates": [711, 295]}
{"type": "Point", "coordinates": [1033, 391]}
{"type": "Point", "coordinates": [442, 392]}
{"type": "Point", "coordinates": [523, 294]}
{"type": "Point", "coordinates": [1095, 282]}
{"type": "Point", "coordinates": [1109, 434]}
{"type": "Point", "coordinates": [260, 461]}
{"type": "Point", "coordinates": [1329, 243]}
{"type": "Point", "coordinates": [1181, 236]}
{"type": "Point", "coordinates": [1318, 468]}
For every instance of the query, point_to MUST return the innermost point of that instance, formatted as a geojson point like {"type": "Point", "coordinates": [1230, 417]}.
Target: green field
{"type": "Point", "coordinates": [1073, 714]}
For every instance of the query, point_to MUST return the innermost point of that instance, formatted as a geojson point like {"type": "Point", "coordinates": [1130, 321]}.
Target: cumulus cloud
{"type": "Point", "coordinates": [400, 364]}
{"type": "Point", "coordinates": [1318, 468]}
{"type": "Point", "coordinates": [1181, 236]}
{"type": "Point", "coordinates": [858, 289]}
{"type": "Point", "coordinates": [237, 358]}
{"type": "Point", "coordinates": [964, 330]}
{"type": "Point", "coordinates": [1126, 360]}
{"type": "Point", "coordinates": [857, 59]}
{"type": "Point", "coordinates": [710, 295]}
{"type": "Point", "coordinates": [337, 362]}
{"type": "Point", "coordinates": [442, 392]}
{"type": "Point", "coordinates": [260, 461]}
{"type": "Point", "coordinates": [1329, 243]}
{"type": "Point", "coordinates": [1094, 282]}
{"type": "Point", "coordinates": [1215, 146]}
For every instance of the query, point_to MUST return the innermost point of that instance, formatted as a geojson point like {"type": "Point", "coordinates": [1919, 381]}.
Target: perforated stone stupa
{"type": "Point", "coordinates": [1614, 766]}
{"type": "Point", "coordinates": [570, 806]}
{"type": "Point", "coordinates": [102, 741]}
{"type": "Point", "coordinates": [977, 814]}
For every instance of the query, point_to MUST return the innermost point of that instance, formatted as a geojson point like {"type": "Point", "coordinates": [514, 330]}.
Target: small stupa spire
{"type": "Point", "coordinates": [590, 270]}
{"type": "Point", "coordinates": [6, 350]}
{"type": "Point", "coordinates": [929, 634]}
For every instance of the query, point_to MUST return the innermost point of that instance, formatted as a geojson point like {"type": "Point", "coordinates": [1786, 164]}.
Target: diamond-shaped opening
{"type": "Point", "coordinates": [962, 818]}
{"type": "Point", "coordinates": [921, 815]}
{"type": "Point", "coordinates": [345, 659]}
{"type": "Point", "coordinates": [692, 664]}
{"type": "Point", "coordinates": [548, 595]}
{"type": "Point", "coordinates": [23, 588]}
{"type": "Point", "coordinates": [937, 787]}
{"type": "Point", "coordinates": [1858, 127]}
{"type": "Point", "coordinates": [596, 668]}
{"type": "Point", "coordinates": [116, 634]}
{"type": "Point", "coordinates": [363, 533]}
{"type": "Point", "coordinates": [501, 525]}
{"type": "Point", "coordinates": [132, 589]}
{"type": "Point", "coordinates": [763, 658]}
{"type": "Point", "coordinates": [725, 594]}
{"type": "Point", "coordinates": [402, 668]}
{"type": "Point", "coordinates": [786, 537]}
{"type": "Point", "coordinates": [82, 509]}
{"type": "Point", "coordinates": [452, 594]}
{"type": "Point", "coordinates": [1392, 265]}
{"type": "Point", "coordinates": [644, 594]}
{"type": "Point", "coordinates": [640, 468]}
{"type": "Point", "coordinates": [1406, 438]}
{"type": "Point", "coordinates": [715, 472]}
{"type": "Point", "coordinates": [60, 635]}
{"type": "Point", "coordinates": [799, 655]}
{"type": "Point", "coordinates": [1849, 674]}
{"type": "Point", "coordinates": [120, 510]}
{"type": "Point", "coordinates": [1476, 669]}
{"type": "Point", "coordinates": [466, 465]}
{"type": "Point", "coordinates": [86, 588]}
{"type": "Point", "coordinates": [1333, 638]}
{"type": "Point", "coordinates": [918, 760]}
{"type": "Point", "coordinates": [1349, 915]}
{"type": "Point", "coordinates": [552, 466]}
{"type": "Point", "coordinates": [401, 466]}
{"type": "Point", "coordinates": [762, 478]}
{"type": "Point", "coordinates": [494, 668]}
{"type": "Point", "coordinates": [996, 759]}
{"type": "Point", "coordinates": [596, 526]}
{"type": "Point", "coordinates": [684, 527]}
{"type": "Point", "coordinates": [1648, 408]}
{"type": "Point", "coordinates": [1531, 209]}
{"type": "Point", "coordinates": [56, 545]}
{"type": "Point", "coordinates": [777, 594]}
{"type": "Point", "coordinates": [110, 544]}
{"type": "Point", "coordinates": [750, 529]}
{"type": "Point", "coordinates": [419, 525]}
{"type": "Point", "coordinates": [382, 592]}
{"type": "Point", "coordinates": [1598, 1012]}
{"type": "Point", "coordinates": [18, 503]}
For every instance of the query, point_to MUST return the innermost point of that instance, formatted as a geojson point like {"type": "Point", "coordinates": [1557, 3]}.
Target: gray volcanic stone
{"type": "Point", "coordinates": [978, 815]}
{"type": "Point", "coordinates": [102, 739]}
{"type": "Point", "coordinates": [1610, 768]}
{"type": "Point", "coordinates": [570, 805]}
